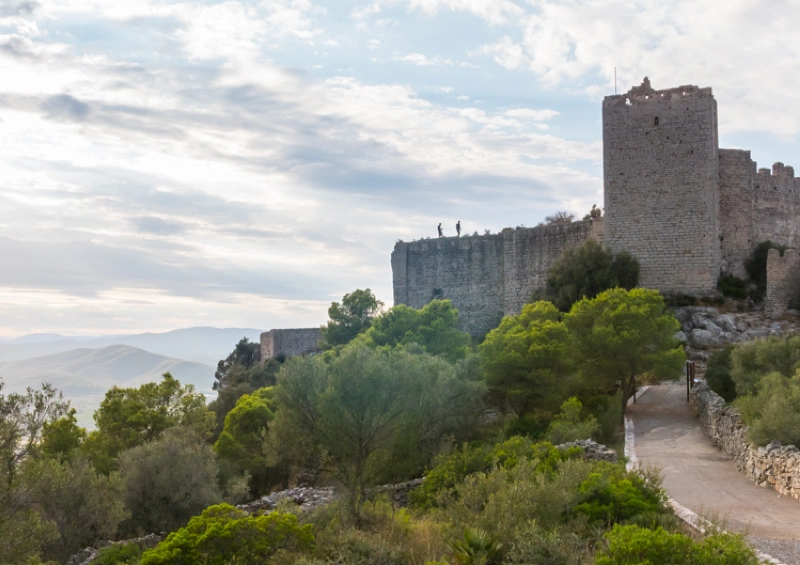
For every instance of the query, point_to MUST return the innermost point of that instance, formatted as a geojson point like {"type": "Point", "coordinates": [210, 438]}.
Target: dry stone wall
{"type": "Point", "coordinates": [783, 276]}
{"type": "Point", "coordinates": [773, 466]}
{"type": "Point", "coordinates": [486, 277]}
{"type": "Point", "coordinates": [289, 343]}
{"type": "Point", "coordinates": [661, 176]}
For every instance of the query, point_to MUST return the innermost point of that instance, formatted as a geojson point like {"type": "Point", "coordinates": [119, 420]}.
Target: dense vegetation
{"type": "Point", "coordinates": [395, 395]}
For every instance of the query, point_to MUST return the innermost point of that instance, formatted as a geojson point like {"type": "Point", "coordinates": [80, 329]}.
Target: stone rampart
{"type": "Point", "coordinates": [486, 277]}
{"type": "Point", "coordinates": [783, 281]}
{"type": "Point", "coordinates": [289, 343]}
{"type": "Point", "coordinates": [736, 173]}
{"type": "Point", "coordinates": [776, 203]}
{"type": "Point", "coordinates": [774, 466]}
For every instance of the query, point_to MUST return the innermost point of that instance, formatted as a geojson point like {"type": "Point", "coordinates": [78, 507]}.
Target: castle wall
{"type": "Point", "coordinates": [776, 201]}
{"type": "Point", "coordinates": [736, 173]}
{"type": "Point", "coordinates": [661, 171]}
{"type": "Point", "coordinates": [466, 270]}
{"type": "Point", "coordinates": [486, 277]}
{"type": "Point", "coordinates": [783, 278]}
{"type": "Point", "coordinates": [289, 343]}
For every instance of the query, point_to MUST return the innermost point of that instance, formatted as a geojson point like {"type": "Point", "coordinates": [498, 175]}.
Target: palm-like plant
{"type": "Point", "coordinates": [477, 547]}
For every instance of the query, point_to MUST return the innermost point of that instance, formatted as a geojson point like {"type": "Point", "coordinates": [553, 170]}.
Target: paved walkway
{"type": "Point", "coordinates": [698, 476]}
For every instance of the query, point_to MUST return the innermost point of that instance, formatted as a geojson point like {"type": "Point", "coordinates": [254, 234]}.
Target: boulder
{"type": "Point", "coordinates": [704, 339]}
{"type": "Point", "coordinates": [727, 322]}
{"type": "Point", "coordinates": [681, 336]}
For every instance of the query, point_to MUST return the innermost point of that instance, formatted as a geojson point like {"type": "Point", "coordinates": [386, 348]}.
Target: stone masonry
{"type": "Point", "coordinates": [487, 277]}
{"type": "Point", "coordinates": [289, 343]}
{"type": "Point", "coordinates": [782, 281]}
{"type": "Point", "coordinates": [773, 466]}
{"type": "Point", "coordinates": [686, 209]}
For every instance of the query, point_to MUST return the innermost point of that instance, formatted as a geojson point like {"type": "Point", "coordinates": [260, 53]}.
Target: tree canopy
{"type": "Point", "coordinates": [586, 271]}
{"type": "Point", "coordinates": [621, 334]}
{"type": "Point", "coordinates": [350, 317]}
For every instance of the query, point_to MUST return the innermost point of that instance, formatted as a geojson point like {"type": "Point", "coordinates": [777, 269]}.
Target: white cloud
{"type": "Point", "coordinates": [422, 60]}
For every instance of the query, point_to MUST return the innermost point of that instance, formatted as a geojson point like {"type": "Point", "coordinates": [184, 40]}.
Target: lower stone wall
{"type": "Point", "coordinates": [774, 466]}
{"type": "Point", "coordinates": [289, 343]}
{"type": "Point", "coordinates": [783, 276]}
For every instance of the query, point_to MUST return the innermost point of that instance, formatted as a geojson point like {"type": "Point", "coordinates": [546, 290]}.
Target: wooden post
{"type": "Point", "coordinates": [688, 377]}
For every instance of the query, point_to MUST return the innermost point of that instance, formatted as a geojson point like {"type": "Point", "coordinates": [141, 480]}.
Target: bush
{"type": "Point", "coordinates": [632, 545]}
{"type": "Point", "coordinates": [553, 547]}
{"type": "Point", "coordinates": [773, 413]}
{"type": "Point", "coordinates": [732, 286]}
{"type": "Point", "coordinates": [119, 554]}
{"type": "Point", "coordinates": [569, 426]}
{"type": "Point", "coordinates": [451, 470]}
{"type": "Point", "coordinates": [224, 534]}
{"type": "Point", "coordinates": [718, 373]}
{"type": "Point", "coordinates": [612, 495]}
{"type": "Point", "coordinates": [751, 361]}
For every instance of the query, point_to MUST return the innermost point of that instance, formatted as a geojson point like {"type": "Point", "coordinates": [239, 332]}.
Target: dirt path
{"type": "Point", "coordinates": [698, 476]}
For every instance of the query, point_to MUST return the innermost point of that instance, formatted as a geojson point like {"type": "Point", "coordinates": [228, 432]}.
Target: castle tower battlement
{"type": "Point", "coordinates": [661, 179]}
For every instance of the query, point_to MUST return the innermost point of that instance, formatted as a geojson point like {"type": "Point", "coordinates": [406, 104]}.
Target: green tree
{"type": "Point", "coordinates": [718, 373]}
{"type": "Point", "coordinates": [22, 420]}
{"type": "Point", "coordinates": [527, 359]}
{"type": "Point", "coordinates": [168, 480]}
{"type": "Point", "coordinates": [586, 271]}
{"type": "Point", "coordinates": [351, 317]}
{"type": "Point", "coordinates": [241, 443]}
{"type": "Point", "coordinates": [751, 361]}
{"type": "Point", "coordinates": [129, 417]}
{"type": "Point", "coordinates": [433, 327]}
{"type": "Point", "coordinates": [773, 413]}
{"type": "Point", "coordinates": [246, 354]}
{"type": "Point", "coordinates": [621, 334]}
{"type": "Point", "coordinates": [354, 412]}
{"type": "Point", "coordinates": [63, 438]}
{"type": "Point", "coordinates": [241, 380]}
{"type": "Point", "coordinates": [222, 534]}
{"type": "Point", "coordinates": [82, 505]}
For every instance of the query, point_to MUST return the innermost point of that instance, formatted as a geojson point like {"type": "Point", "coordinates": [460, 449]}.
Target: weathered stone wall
{"type": "Point", "coordinates": [661, 176]}
{"type": "Point", "coordinates": [773, 466]}
{"type": "Point", "coordinates": [783, 276]}
{"type": "Point", "coordinates": [486, 277]}
{"type": "Point", "coordinates": [289, 343]}
{"type": "Point", "coordinates": [776, 201]}
{"type": "Point", "coordinates": [736, 173]}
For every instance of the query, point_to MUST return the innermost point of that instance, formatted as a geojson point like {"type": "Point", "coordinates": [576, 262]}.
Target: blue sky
{"type": "Point", "coordinates": [171, 164]}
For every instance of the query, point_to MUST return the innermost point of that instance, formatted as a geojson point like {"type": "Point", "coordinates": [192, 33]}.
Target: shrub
{"type": "Point", "coordinates": [476, 547]}
{"type": "Point", "coordinates": [718, 374]}
{"type": "Point", "coordinates": [224, 534]}
{"type": "Point", "coordinates": [751, 361]}
{"type": "Point", "coordinates": [732, 286]}
{"type": "Point", "coordinates": [632, 545]}
{"type": "Point", "coordinates": [569, 426]}
{"type": "Point", "coordinates": [553, 547]}
{"type": "Point", "coordinates": [773, 413]}
{"type": "Point", "coordinates": [611, 495]}
{"type": "Point", "coordinates": [119, 554]}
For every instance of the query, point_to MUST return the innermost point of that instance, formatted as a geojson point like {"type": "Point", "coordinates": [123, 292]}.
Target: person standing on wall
{"type": "Point", "coordinates": [458, 228]}
{"type": "Point", "coordinates": [440, 229]}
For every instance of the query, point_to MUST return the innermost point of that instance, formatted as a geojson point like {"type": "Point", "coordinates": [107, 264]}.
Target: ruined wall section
{"type": "Point", "coordinates": [736, 173]}
{"type": "Point", "coordinates": [661, 171]}
{"type": "Point", "coordinates": [289, 343]}
{"type": "Point", "coordinates": [529, 254]}
{"type": "Point", "coordinates": [776, 200]}
{"type": "Point", "coordinates": [783, 281]}
{"type": "Point", "coordinates": [486, 277]}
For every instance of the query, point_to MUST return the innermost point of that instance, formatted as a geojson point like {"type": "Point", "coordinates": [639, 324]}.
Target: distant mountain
{"type": "Point", "coordinates": [84, 375]}
{"type": "Point", "coordinates": [202, 345]}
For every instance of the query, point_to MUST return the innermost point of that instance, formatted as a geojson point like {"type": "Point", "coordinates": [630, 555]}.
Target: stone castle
{"type": "Point", "coordinates": [686, 209]}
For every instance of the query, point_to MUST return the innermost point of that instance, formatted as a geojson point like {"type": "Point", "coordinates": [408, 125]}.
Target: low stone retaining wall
{"type": "Point", "coordinates": [775, 466]}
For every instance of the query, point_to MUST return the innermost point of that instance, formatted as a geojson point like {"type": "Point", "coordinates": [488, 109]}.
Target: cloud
{"type": "Point", "coordinates": [65, 107]}
{"type": "Point", "coordinates": [422, 60]}
{"type": "Point", "coordinates": [9, 8]}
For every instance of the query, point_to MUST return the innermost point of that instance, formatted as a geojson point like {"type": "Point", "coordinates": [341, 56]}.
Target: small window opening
{"type": "Point", "coordinates": [627, 101]}
{"type": "Point", "coordinates": [655, 122]}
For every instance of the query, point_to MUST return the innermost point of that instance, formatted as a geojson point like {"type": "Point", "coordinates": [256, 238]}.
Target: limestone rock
{"type": "Point", "coordinates": [704, 339]}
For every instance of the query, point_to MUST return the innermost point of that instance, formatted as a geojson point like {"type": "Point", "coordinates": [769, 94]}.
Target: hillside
{"type": "Point", "coordinates": [201, 345]}
{"type": "Point", "coordinates": [84, 375]}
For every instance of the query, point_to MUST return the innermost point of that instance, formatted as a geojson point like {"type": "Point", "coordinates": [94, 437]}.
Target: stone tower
{"type": "Point", "coordinates": [661, 171]}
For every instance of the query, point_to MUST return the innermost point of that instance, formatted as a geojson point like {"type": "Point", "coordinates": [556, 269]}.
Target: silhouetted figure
{"type": "Point", "coordinates": [440, 229]}
{"type": "Point", "coordinates": [458, 228]}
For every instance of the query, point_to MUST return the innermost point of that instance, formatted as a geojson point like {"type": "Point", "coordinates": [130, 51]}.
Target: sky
{"type": "Point", "coordinates": [243, 164]}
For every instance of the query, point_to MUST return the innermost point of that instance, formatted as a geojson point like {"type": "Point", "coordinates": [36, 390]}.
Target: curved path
{"type": "Point", "coordinates": [698, 476]}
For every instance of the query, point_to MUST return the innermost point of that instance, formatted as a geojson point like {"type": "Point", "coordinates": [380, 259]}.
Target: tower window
{"type": "Point", "coordinates": [655, 122]}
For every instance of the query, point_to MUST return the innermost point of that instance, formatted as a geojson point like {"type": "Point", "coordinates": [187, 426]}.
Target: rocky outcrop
{"type": "Point", "coordinates": [86, 556]}
{"type": "Point", "coordinates": [303, 498]}
{"type": "Point", "coordinates": [774, 466]}
{"type": "Point", "coordinates": [592, 450]}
